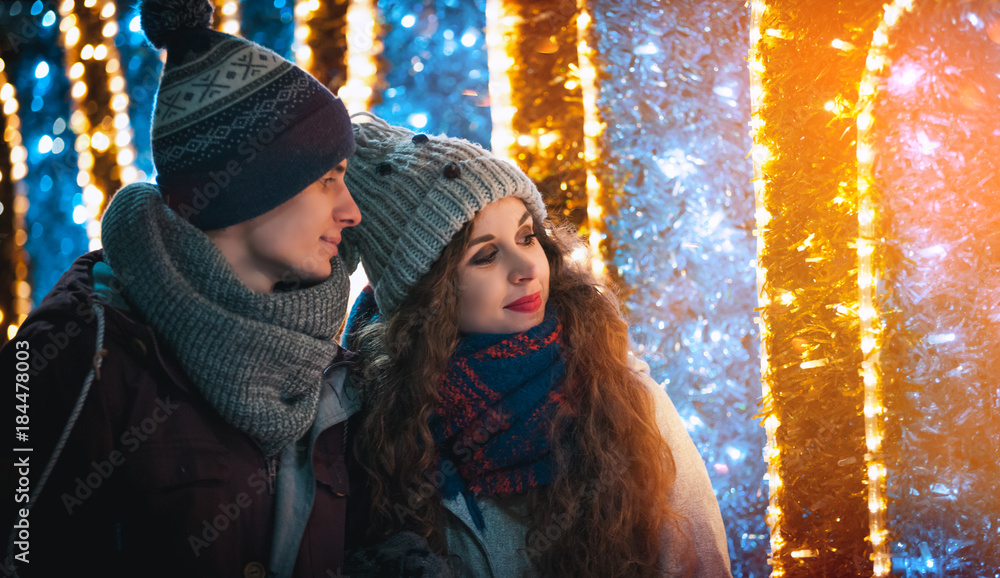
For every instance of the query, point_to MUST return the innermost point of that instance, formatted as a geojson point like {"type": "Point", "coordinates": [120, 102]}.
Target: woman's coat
{"type": "Point", "coordinates": [499, 550]}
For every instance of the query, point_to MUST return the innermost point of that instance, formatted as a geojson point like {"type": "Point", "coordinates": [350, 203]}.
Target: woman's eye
{"type": "Point", "coordinates": [529, 240]}
{"type": "Point", "coordinates": [485, 259]}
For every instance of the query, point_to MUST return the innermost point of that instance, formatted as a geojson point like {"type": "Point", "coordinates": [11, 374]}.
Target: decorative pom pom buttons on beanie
{"type": "Point", "coordinates": [415, 192]}
{"type": "Point", "coordinates": [237, 129]}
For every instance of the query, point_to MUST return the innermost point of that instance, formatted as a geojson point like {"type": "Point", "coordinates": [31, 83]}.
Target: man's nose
{"type": "Point", "coordinates": [347, 213]}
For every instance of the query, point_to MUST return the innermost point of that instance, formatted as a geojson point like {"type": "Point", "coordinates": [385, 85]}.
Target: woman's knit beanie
{"type": "Point", "coordinates": [415, 192]}
{"type": "Point", "coordinates": [237, 129]}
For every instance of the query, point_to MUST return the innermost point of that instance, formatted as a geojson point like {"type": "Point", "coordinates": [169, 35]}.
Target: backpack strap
{"type": "Point", "coordinates": [95, 371]}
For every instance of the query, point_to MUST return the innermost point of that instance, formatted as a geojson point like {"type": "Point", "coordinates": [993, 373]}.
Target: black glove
{"type": "Point", "coordinates": [404, 555]}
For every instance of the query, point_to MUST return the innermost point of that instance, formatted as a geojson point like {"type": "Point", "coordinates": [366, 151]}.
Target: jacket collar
{"type": "Point", "coordinates": [75, 294]}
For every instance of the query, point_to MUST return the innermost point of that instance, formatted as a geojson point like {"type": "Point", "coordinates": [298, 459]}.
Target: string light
{"type": "Point", "coordinates": [761, 155]}
{"type": "Point", "coordinates": [592, 130]}
{"type": "Point", "coordinates": [362, 46]}
{"type": "Point", "coordinates": [868, 274]}
{"type": "Point", "coordinates": [103, 136]}
{"type": "Point", "coordinates": [21, 288]}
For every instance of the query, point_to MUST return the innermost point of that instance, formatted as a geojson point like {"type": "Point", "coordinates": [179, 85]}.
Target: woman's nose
{"type": "Point", "coordinates": [522, 269]}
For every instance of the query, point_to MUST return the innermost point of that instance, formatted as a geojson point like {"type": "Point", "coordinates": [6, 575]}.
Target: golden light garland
{"type": "Point", "coordinates": [304, 10]}
{"type": "Point", "coordinates": [592, 130]}
{"type": "Point", "coordinates": [339, 44]}
{"type": "Point", "coordinates": [876, 73]}
{"type": "Point", "coordinates": [21, 288]}
{"type": "Point", "coordinates": [543, 126]}
{"type": "Point", "coordinates": [105, 152]}
{"type": "Point", "coordinates": [321, 44]}
{"type": "Point", "coordinates": [500, 31]}
{"type": "Point", "coordinates": [362, 46]}
{"type": "Point", "coordinates": [807, 213]}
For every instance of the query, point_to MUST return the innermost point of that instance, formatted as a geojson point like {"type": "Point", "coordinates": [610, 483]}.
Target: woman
{"type": "Point", "coordinates": [504, 419]}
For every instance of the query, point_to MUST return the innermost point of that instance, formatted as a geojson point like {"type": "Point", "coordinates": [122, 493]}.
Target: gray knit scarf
{"type": "Point", "coordinates": [257, 358]}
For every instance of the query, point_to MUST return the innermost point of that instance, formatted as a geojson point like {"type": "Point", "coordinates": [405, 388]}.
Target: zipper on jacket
{"type": "Point", "coordinates": [272, 474]}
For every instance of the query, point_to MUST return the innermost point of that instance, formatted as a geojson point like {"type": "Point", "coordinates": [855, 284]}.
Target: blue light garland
{"type": "Point", "coordinates": [673, 97]}
{"type": "Point", "coordinates": [35, 67]}
{"type": "Point", "coordinates": [438, 81]}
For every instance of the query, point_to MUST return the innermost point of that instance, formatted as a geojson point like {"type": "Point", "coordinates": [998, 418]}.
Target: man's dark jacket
{"type": "Point", "coordinates": [152, 481]}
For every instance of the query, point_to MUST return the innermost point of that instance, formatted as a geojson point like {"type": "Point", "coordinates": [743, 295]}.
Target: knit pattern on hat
{"type": "Point", "coordinates": [257, 358]}
{"type": "Point", "coordinates": [414, 195]}
{"type": "Point", "coordinates": [237, 129]}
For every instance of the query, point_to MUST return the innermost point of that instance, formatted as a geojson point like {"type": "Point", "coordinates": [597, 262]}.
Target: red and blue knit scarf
{"type": "Point", "coordinates": [499, 395]}
{"type": "Point", "coordinates": [498, 398]}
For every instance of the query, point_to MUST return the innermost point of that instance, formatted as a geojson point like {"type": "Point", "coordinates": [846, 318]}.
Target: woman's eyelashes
{"type": "Point", "coordinates": [488, 255]}
{"type": "Point", "coordinates": [485, 257]}
{"type": "Point", "coordinates": [525, 234]}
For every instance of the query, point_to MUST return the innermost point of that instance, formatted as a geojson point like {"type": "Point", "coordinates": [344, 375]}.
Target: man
{"type": "Point", "coordinates": [183, 384]}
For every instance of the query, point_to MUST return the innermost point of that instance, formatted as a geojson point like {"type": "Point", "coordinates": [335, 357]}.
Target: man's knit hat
{"type": "Point", "coordinates": [415, 192]}
{"type": "Point", "coordinates": [237, 129]}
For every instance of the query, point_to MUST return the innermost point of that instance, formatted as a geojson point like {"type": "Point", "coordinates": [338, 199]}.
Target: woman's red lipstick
{"type": "Point", "coordinates": [528, 304]}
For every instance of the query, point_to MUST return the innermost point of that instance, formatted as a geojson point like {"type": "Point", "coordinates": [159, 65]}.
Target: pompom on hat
{"type": "Point", "coordinates": [237, 129]}
{"type": "Point", "coordinates": [415, 192]}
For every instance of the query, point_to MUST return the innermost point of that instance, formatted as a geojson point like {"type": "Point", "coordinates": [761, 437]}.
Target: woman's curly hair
{"type": "Point", "coordinates": [604, 513]}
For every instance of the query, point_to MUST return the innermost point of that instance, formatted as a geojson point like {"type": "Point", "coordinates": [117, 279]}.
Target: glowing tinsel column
{"type": "Point", "coordinates": [34, 65]}
{"type": "Point", "coordinates": [678, 211]}
{"type": "Point", "coordinates": [15, 291]}
{"type": "Point", "coordinates": [679, 219]}
{"type": "Point", "coordinates": [362, 49]}
{"type": "Point", "coordinates": [929, 154]}
{"type": "Point", "coordinates": [808, 68]}
{"type": "Point", "coordinates": [500, 32]}
{"type": "Point", "coordinates": [142, 66]}
{"type": "Point", "coordinates": [100, 120]}
{"type": "Point", "coordinates": [320, 44]}
{"type": "Point", "coordinates": [761, 154]}
{"type": "Point", "coordinates": [533, 46]}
